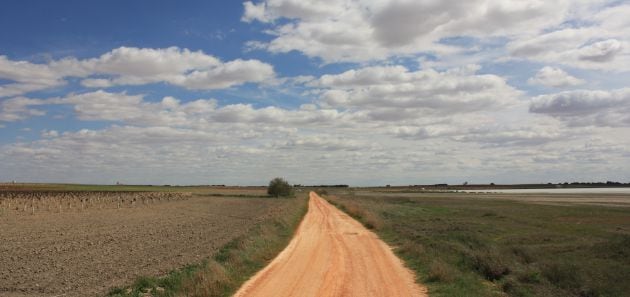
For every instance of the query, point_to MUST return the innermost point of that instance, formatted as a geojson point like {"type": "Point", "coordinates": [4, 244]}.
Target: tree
{"type": "Point", "coordinates": [279, 187]}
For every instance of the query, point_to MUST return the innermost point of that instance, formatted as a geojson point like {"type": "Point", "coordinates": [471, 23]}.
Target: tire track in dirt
{"type": "Point", "coordinates": [331, 254]}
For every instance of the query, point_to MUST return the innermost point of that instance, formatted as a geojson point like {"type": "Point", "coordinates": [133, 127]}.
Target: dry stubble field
{"type": "Point", "coordinates": [91, 244]}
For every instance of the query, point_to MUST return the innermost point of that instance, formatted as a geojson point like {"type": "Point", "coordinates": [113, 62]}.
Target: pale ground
{"type": "Point", "coordinates": [331, 254]}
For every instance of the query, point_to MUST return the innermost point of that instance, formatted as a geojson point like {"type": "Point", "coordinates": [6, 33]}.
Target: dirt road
{"type": "Point", "coordinates": [333, 255]}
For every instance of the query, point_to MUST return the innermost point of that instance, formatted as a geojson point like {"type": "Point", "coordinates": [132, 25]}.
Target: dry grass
{"type": "Point", "coordinates": [232, 265]}
{"type": "Point", "coordinates": [465, 245]}
{"type": "Point", "coordinates": [441, 272]}
{"type": "Point", "coordinates": [369, 219]}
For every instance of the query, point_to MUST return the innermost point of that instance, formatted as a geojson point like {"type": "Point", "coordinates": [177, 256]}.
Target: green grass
{"type": "Point", "coordinates": [231, 265]}
{"type": "Point", "coordinates": [462, 246]}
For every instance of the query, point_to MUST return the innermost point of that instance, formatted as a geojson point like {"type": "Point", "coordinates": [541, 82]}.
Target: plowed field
{"type": "Point", "coordinates": [86, 250]}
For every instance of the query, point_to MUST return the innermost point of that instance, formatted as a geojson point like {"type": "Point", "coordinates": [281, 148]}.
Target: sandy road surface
{"type": "Point", "coordinates": [333, 255]}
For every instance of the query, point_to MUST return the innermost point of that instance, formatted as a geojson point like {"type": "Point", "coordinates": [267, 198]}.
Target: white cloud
{"type": "Point", "coordinates": [134, 66]}
{"type": "Point", "coordinates": [369, 29]}
{"type": "Point", "coordinates": [554, 77]}
{"type": "Point", "coordinates": [182, 67]}
{"type": "Point", "coordinates": [254, 12]}
{"type": "Point", "coordinates": [96, 83]}
{"type": "Point", "coordinates": [49, 133]}
{"type": "Point", "coordinates": [202, 113]}
{"type": "Point", "coordinates": [190, 155]}
{"type": "Point", "coordinates": [601, 41]}
{"type": "Point", "coordinates": [26, 77]}
{"type": "Point", "coordinates": [228, 74]}
{"type": "Point", "coordinates": [120, 107]}
{"type": "Point", "coordinates": [19, 108]}
{"type": "Point", "coordinates": [394, 92]}
{"type": "Point", "coordinates": [534, 135]}
{"type": "Point", "coordinates": [377, 123]}
{"type": "Point", "coordinates": [586, 107]}
{"type": "Point", "coordinates": [583, 34]}
{"type": "Point", "coordinates": [322, 142]}
{"type": "Point", "coordinates": [601, 51]}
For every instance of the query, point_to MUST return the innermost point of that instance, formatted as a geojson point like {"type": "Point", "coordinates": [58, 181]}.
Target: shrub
{"type": "Point", "coordinates": [321, 192]}
{"type": "Point", "coordinates": [279, 187]}
{"type": "Point", "coordinates": [563, 274]}
{"type": "Point", "coordinates": [440, 272]}
{"type": "Point", "coordinates": [490, 263]}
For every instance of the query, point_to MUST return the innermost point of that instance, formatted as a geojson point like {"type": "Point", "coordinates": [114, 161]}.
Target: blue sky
{"type": "Point", "coordinates": [358, 91]}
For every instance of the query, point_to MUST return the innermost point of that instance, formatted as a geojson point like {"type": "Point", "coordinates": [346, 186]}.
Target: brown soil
{"type": "Point", "coordinates": [85, 252]}
{"type": "Point", "coordinates": [333, 255]}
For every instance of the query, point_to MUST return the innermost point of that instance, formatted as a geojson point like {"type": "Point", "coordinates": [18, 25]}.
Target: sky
{"type": "Point", "coordinates": [359, 92]}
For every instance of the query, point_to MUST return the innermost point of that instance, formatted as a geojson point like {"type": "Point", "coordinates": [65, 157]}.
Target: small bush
{"type": "Point", "coordinates": [279, 187]}
{"type": "Point", "coordinates": [563, 274]}
{"type": "Point", "coordinates": [514, 288]}
{"type": "Point", "coordinates": [524, 254]}
{"type": "Point", "coordinates": [530, 276]}
{"type": "Point", "coordinates": [490, 264]}
{"type": "Point", "coordinates": [440, 272]}
{"type": "Point", "coordinates": [321, 192]}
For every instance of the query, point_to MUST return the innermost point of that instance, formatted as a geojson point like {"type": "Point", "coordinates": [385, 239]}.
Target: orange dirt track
{"type": "Point", "coordinates": [331, 254]}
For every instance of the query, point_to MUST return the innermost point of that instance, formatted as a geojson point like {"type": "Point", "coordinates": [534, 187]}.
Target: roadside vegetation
{"type": "Point", "coordinates": [278, 187]}
{"type": "Point", "coordinates": [231, 266]}
{"type": "Point", "coordinates": [462, 246]}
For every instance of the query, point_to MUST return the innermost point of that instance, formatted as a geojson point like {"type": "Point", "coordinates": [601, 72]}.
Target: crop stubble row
{"type": "Point", "coordinates": [23, 202]}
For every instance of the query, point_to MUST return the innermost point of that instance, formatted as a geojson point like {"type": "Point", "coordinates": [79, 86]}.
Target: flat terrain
{"type": "Point", "coordinates": [85, 252]}
{"type": "Point", "coordinates": [604, 199]}
{"type": "Point", "coordinates": [331, 254]}
{"type": "Point", "coordinates": [463, 244]}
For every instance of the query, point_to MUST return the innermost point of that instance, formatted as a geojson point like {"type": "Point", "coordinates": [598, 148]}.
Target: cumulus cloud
{"type": "Point", "coordinates": [586, 107]}
{"type": "Point", "coordinates": [202, 113]}
{"type": "Point", "coordinates": [554, 77]}
{"type": "Point", "coordinates": [381, 118]}
{"type": "Point", "coordinates": [602, 51]}
{"type": "Point", "coordinates": [193, 70]}
{"type": "Point", "coordinates": [20, 108]}
{"type": "Point", "coordinates": [602, 41]}
{"type": "Point", "coordinates": [395, 92]}
{"type": "Point", "coordinates": [367, 30]}
{"type": "Point", "coordinates": [120, 107]}
{"type": "Point", "coordinates": [49, 133]}
{"type": "Point", "coordinates": [584, 34]}
{"type": "Point", "coordinates": [26, 77]}
{"type": "Point", "coordinates": [182, 67]}
{"type": "Point", "coordinates": [525, 136]}
{"type": "Point", "coordinates": [322, 142]}
{"type": "Point", "coordinates": [488, 132]}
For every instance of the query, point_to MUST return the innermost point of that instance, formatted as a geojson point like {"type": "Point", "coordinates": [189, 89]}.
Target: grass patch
{"type": "Point", "coordinates": [239, 196]}
{"type": "Point", "coordinates": [231, 266]}
{"type": "Point", "coordinates": [463, 246]}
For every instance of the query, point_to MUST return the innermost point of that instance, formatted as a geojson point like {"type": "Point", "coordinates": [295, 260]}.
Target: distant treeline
{"type": "Point", "coordinates": [527, 186]}
{"type": "Point", "coordinates": [321, 186]}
